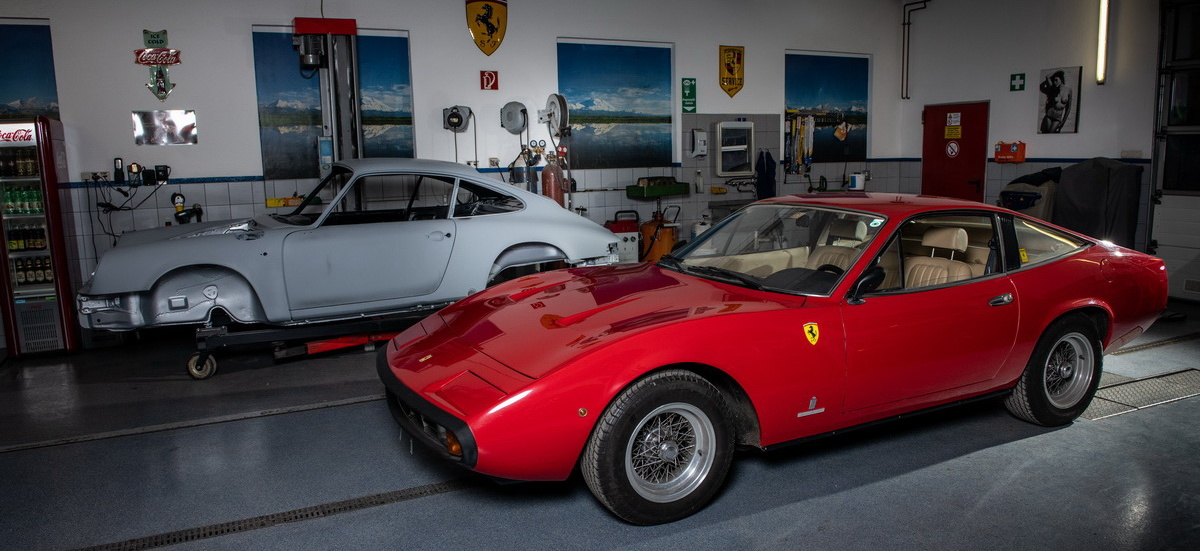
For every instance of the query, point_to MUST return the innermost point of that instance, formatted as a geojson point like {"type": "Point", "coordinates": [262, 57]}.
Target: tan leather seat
{"type": "Point", "coordinates": [923, 271]}
{"type": "Point", "coordinates": [847, 233]}
{"type": "Point", "coordinates": [843, 235]}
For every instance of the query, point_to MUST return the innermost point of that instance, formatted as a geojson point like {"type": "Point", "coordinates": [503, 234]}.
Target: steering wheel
{"type": "Point", "coordinates": [831, 268]}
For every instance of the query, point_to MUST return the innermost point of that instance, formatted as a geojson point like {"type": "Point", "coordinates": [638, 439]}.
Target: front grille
{"type": "Point", "coordinates": [420, 423]}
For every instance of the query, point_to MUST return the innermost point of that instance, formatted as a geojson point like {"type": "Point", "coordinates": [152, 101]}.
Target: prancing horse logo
{"type": "Point", "coordinates": [487, 20]}
{"type": "Point", "coordinates": [812, 332]}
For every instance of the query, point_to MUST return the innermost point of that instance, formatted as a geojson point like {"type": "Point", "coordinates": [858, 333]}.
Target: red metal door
{"type": "Point", "coordinates": [954, 150]}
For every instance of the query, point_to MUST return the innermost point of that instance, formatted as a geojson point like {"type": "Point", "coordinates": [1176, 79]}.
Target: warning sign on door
{"type": "Point", "coordinates": [952, 149]}
{"type": "Point", "coordinates": [953, 119]}
{"type": "Point", "coordinates": [953, 132]}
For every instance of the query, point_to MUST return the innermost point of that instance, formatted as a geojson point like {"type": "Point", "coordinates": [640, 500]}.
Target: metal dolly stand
{"type": "Point", "coordinates": [312, 339]}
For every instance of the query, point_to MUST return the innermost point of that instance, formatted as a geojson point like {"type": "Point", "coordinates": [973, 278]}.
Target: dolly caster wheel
{"type": "Point", "coordinates": [201, 370]}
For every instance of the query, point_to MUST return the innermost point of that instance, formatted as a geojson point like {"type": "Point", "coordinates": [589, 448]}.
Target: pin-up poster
{"type": "Point", "coordinates": [1058, 104]}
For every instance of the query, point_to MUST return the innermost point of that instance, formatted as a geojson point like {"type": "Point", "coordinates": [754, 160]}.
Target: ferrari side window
{"type": "Point", "coordinates": [1039, 243]}
{"type": "Point", "coordinates": [892, 262]}
{"type": "Point", "coordinates": [936, 250]}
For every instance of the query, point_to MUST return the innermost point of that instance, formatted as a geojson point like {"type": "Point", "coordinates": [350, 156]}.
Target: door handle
{"type": "Point", "coordinates": [1001, 300]}
{"type": "Point", "coordinates": [978, 185]}
{"type": "Point", "coordinates": [438, 235]}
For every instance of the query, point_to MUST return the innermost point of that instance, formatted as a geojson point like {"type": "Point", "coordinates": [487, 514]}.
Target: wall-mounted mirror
{"type": "Point", "coordinates": [736, 142]}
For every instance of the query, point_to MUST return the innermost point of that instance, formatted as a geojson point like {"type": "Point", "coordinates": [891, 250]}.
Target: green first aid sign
{"type": "Point", "coordinates": [689, 95]}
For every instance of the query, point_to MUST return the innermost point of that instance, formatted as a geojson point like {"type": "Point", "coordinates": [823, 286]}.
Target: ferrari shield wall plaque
{"type": "Point", "coordinates": [487, 20]}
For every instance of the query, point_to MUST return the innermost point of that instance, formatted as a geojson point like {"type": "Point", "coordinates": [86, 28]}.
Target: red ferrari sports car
{"type": "Point", "coordinates": [794, 317]}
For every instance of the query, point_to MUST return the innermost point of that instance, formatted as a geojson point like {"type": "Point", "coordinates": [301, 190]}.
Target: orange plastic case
{"type": "Point", "coordinates": [1010, 152]}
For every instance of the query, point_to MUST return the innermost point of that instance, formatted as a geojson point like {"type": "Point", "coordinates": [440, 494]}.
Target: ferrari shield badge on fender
{"type": "Point", "coordinates": [812, 332]}
{"type": "Point", "coordinates": [487, 20]}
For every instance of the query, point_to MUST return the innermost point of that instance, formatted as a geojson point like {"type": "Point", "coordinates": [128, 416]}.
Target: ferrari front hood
{"type": "Point", "coordinates": [537, 323]}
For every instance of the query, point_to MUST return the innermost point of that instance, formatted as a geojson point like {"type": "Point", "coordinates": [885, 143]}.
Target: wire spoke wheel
{"type": "Point", "coordinates": [1061, 376]}
{"type": "Point", "coordinates": [1069, 371]}
{"type": "Point", "coordinates": [670, 452]}
{"type": "Point", "coordinates": [661, 449]}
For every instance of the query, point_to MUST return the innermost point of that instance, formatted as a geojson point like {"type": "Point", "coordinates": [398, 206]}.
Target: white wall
{"type": "Point", "coordinates": [99, 85]}
{"type": "Point", "coordinates": [965, 50]}
{"type": "Point", "coordinates": [962, 50]}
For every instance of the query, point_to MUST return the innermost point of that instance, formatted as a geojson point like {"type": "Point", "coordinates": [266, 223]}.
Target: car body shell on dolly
{"type": "Point", "coordinates": [375, 237]}
{"type": "Point", "coordinates": [793, 318]}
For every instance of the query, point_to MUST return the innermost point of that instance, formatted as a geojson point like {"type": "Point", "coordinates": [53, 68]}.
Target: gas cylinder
{"type": "Point", "coordinates": [658, 237]}
{"type": "Point", "coordinates": [552, 179]}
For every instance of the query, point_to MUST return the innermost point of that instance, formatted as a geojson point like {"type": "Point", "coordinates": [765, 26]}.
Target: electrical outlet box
{"type": "Point", "coordinates": [92, 176]}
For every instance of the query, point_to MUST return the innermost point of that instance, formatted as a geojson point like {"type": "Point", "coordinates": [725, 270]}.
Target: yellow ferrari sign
{"type": "Point", "coordinates": [812, 332]}
{"type": "Point", "coordinates": [733, 69]}
{"type": "Point", "coordinates": [487, 19]}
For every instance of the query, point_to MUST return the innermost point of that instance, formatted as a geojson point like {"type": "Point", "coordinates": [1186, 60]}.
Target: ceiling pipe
{"type": "Point", "coordinates": [909, 8]}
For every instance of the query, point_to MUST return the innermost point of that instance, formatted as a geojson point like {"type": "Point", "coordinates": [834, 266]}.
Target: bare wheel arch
{"type": "Point", "coordinates": [192, 294]}
{"type": "Point", "coordinates": [524, 259]}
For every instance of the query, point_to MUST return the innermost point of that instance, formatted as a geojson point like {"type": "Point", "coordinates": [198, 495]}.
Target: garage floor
{"type": "Point", "coordinates": [119, 449]}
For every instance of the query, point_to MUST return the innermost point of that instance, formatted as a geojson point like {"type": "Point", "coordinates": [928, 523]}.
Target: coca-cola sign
{"type": "Point", "coordinates": [157, 56]}
{"type": "Point", "coordinates": [18, 135]}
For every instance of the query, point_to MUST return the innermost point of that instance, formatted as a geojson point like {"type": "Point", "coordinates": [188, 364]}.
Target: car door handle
{"type": "Point", "coordinates": [1001, 300]}
{"type": "Point", "coordinates": [439, 235]}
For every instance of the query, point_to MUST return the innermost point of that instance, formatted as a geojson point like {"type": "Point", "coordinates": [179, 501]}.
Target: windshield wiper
{"type": "Point", "coordinates": [749, 281]}
{"type": "Point", "coordinates": [670, 261]}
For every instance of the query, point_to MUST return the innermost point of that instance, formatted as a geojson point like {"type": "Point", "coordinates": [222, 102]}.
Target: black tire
{"type": "Point", "coordinates": [683, 420]}
{"type": "Point", "coordinates": [1062, 375]}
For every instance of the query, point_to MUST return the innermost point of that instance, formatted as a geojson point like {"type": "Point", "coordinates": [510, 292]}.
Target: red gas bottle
{"type": "Point", "coordinates": [552, 179]}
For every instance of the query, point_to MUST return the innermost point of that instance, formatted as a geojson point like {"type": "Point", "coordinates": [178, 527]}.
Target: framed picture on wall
{"type": "Point", "coordinates": [290, 105]}
{"type": "Point", "coordinates": [1058, 104]}
{"type": "Point", "coordinates": [27, 84]}
{"type": "Point", "coordinates": [826, 98]}
{"type": "Point", "coordinates": [620, 103]}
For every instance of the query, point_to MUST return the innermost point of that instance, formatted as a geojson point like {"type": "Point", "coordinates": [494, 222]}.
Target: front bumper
{"type": "Point", "coordinates": [424, 421]}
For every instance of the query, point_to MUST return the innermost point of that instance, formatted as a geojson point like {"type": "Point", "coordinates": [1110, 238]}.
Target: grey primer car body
{"type": "Point", "coordinates": [387, 236]}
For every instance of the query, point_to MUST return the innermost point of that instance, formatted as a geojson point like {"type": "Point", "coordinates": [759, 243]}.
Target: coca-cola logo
{"type": "Point", "coordinates": [157, 56]}
{"type": "Point", "coordinates": [22, 135]}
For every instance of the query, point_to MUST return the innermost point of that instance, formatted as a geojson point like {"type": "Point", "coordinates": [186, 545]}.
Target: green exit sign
{"type": "Point", "coordinates": [689, 95]}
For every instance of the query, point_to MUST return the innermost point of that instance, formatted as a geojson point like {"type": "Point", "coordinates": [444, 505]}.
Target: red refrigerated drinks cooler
{"type": "Point", "coordinates": [36, 296]}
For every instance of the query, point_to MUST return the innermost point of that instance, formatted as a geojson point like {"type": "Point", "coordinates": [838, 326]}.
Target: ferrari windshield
{"type": "Point", "coordinates": [796, 249]}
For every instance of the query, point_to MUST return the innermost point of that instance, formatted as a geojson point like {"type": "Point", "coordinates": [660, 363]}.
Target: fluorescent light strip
{"type": "Point", "coordinates": [1102, 44]}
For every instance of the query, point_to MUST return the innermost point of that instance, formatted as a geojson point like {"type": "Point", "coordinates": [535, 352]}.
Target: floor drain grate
{"type": "Point", "coordinates": [295, 515]}
{"type": "Point", "coordinates": [1143, 393]}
